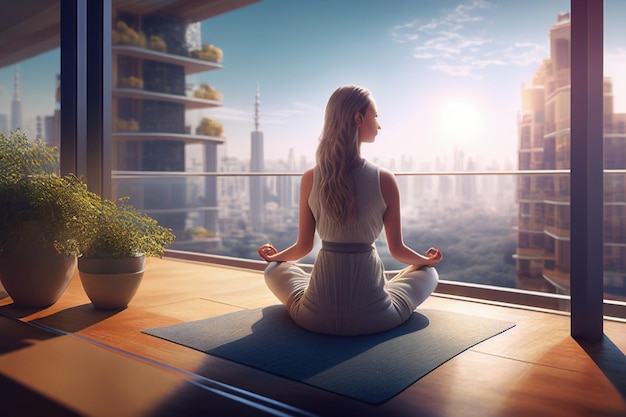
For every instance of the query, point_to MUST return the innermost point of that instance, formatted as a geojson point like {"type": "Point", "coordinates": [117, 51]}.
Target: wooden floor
{"type": "Point", "coordinates": [71, 359]}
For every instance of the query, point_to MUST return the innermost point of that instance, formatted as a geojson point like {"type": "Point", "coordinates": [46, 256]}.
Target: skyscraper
{"type": "Point", "coordinates": [16, 103]}
{"type": "Point", "coordinates": [257, 183]}
{"type": "Point", "coordinates": [156, 52]}
{"type": "Point", "coordinates": [4, 124]}
{"type": "Point", "coordinates": [543, 249]}
{"type": "Point", "coordinates": [286, 195]}
{"type": "Point", "coordinates": [39, 127]}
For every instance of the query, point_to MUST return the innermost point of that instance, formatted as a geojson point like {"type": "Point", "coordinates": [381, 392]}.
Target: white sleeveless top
{"type": "Point", "coordinates": [346, 292]}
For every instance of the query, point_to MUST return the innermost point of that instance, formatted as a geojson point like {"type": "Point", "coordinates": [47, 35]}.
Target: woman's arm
{"type": "Point", "coordinates": [393, 226]}
{"type": "Point", "coordinates": [306, 228]}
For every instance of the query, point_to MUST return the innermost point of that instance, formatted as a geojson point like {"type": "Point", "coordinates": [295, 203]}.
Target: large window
{"type": "Point", "coordinates": [30, 73]}
{"type": "Point", "coordinates": [461, 89]}
{"type": "Point", "coordinates": [213, 121]}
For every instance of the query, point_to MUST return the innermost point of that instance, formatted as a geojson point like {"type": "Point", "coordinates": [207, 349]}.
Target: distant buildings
{"type": "Point", "coordinates": [543, 251]}
{"type": "Point", "coordinates": [4, 123]}
{"type": "Point", "coordinates": [16, 103]}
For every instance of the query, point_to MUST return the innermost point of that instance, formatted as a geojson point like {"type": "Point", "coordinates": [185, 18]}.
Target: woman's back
{"type": "Point", "coordinates": [370, 209]}
{"type": "Point", "coordinates": [346, 293]}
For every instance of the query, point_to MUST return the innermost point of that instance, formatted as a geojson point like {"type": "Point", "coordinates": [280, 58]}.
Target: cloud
{"type": "Point", "coordinates": [456, 42]}
{"type": "Point", "coordinates": [232, 114]}
{"type": "Point", "coordinates": [283, 116]}
{"type": "Point", "coordinates": [267, 117]}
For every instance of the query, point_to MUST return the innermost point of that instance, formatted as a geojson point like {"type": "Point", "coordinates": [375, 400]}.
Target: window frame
{"type": "Point", "coordinates": [86, 124]}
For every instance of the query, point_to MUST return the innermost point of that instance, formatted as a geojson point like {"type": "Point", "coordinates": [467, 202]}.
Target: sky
{"type": "Point", "coordinates": [445, 74]}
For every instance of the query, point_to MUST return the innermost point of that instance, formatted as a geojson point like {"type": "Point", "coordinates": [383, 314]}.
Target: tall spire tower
{"type": "Point", "coordinates": [257, 183]}
{"type": "Point", "coordinates": [257, 104]}
{"type": "Point", "coordinates": [16, 103]}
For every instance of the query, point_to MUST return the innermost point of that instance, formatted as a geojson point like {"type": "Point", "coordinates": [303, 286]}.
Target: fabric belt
{"type": "Point", "coordinates": [347, 247]}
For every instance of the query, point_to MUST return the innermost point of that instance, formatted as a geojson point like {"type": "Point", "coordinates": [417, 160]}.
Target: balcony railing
{"type": "Point", "coordinates": [472, 216]}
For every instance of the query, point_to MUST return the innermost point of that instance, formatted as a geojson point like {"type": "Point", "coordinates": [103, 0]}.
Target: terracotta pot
{"type": "Point", "coordinates": [111, 283]}
{"type": "Point", "coordinates": [35, 276]}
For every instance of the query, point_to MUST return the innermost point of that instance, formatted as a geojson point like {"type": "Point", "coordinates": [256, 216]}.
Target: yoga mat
{"type": "Point", "coordinates": [371, 369]}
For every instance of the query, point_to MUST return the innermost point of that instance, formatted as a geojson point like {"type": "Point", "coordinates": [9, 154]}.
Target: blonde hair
{"type": "Point", "coordinates": [338, 152]}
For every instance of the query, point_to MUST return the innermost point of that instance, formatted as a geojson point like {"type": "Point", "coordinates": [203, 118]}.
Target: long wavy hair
{"type": "Point", "coordinates": [338, 153]}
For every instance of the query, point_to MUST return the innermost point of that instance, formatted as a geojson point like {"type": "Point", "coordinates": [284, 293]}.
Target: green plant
{"type": "Point", "coordinates": [114, 229]}
{"type": "Point", "coordinates": [63, 211]}
{"type": "Point", "coordinates": [36, 202]}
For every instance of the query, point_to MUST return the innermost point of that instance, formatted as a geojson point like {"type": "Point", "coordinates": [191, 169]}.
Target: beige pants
{"type": "Point", "coordinates": [393, 304]}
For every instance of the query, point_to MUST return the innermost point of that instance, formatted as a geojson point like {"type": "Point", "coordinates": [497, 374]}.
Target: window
{"type": "Point", "coordinates": [195, 104]}
{"type": "Point", "coordinates": [614, 144]}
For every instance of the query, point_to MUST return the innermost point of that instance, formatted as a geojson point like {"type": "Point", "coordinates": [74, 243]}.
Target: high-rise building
{"type": "Point", "coordinates": [39, 127]}
{"type": "Point", "coordinates": [155, 50]}
{"type": "Point", "coordinates": [4, 124]}
{"type": "Point", "coordinates": [257, 183]}
{"type": "Point", "coordinates": [543, 250]}
{"type": "Point", "coordinates": [48, 130]}
{"type": "Point", "coordinates": [16, 103]}
{"type": "Point", "coordinates": [284, 184]}
{"type": "Point", "coordinates": [406, 183]}
{"type": "Point", "coordinates": [444, 183]}
{"type": "Point", "coordinates": [465, 185]}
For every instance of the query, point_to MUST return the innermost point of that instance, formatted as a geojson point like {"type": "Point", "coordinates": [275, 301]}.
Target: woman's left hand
{"type": "Point", "coordinates": [434, 256]}
{"type": "Point", "coordinates": [267, 250]}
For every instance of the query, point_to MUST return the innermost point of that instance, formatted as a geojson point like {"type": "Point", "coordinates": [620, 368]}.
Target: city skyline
{"type": "Point", "coordinates": [446, 75]}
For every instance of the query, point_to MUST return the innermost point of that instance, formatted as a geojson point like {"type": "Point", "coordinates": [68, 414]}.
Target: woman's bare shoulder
{"type": "Point", "coordinates": [386, 177]}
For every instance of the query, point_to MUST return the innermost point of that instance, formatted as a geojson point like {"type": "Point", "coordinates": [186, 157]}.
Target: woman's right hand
{"type": "Point", "coordinates": [267, 250]}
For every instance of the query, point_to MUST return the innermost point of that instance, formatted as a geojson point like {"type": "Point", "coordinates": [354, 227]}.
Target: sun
{"type": "Point", "coordinates": [461, 122]}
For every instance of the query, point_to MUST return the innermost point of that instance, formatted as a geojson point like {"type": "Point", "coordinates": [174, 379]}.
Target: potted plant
{"type": "Point", "coordinates": [38, 246]}
{"type": "Point", "coordinates": [115, 239]}
{"type": "Point", "coordinates": [48, 220]}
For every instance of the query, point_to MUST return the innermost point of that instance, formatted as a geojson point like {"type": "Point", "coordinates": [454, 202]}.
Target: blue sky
{"type": "Point", "coordinates": [445, 74]}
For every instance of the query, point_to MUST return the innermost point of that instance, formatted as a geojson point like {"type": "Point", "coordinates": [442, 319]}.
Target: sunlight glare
{"type": "Point", "coordinates": [460, 122]}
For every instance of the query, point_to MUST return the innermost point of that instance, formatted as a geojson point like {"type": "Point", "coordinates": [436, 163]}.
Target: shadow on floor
{"type": "Point", "coordinates": [76, 318]}
{"type": "Point", "coordinates": [18, 400]}
{"type": "Point", "coordinates": [610, 359]}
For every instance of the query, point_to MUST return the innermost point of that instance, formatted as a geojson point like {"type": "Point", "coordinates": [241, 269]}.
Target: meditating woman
{"type": "Point", "coordinates": [349, 200]}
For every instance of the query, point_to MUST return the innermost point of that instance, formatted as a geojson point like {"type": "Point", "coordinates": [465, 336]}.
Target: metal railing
{"type": "Point", "coordinates": [483, 293]}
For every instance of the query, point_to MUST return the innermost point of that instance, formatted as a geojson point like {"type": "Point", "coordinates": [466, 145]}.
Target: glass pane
{"type": "Point", "coordinates": [156, 55]}
{"type": "Point", "coordinates": [465, 94]}
{"type": "Point", "coordinates": [29, 72]}
{"type": "Point", "coordinates": [614, 150]}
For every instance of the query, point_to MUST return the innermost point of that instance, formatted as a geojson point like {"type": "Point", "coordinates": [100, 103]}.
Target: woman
{"type": "Point", "coordinates": [349, 200]}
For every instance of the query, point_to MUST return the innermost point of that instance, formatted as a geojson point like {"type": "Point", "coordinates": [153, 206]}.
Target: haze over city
{"type": "Point", "coordinates": [445, 74]}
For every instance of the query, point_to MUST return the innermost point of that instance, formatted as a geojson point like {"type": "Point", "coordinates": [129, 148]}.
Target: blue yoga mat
{"type": "Point", "coordinates": [371, 369]}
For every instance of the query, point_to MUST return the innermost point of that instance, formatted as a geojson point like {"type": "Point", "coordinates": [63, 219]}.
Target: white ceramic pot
{"type": "Point", "coordinates": [111, 291]}
{"type": "Point", "coordinates": [112, 265]}
{"type": "Point", "coordinates": [111, 283]}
